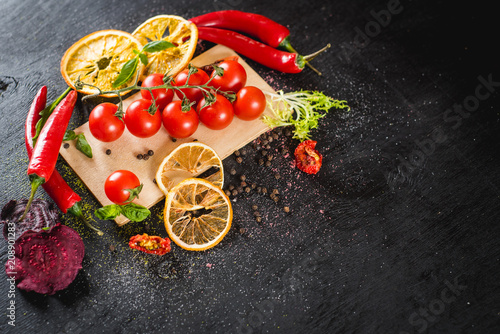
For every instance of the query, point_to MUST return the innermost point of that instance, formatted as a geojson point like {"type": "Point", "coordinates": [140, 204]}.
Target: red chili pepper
{"type": "Point", "coordinates": [276, 59]}
{"type": "Point", "coordinates": [287, 62]}
{"type": "Point", "coordinates": [307, 159]}
{"type": "Point", "coordinates": [255, 25]}
{"type": "Point", "coordinates": [150, 244]}
{"type": "Point", "coordinates": [263, 28]}
{"type": "Point", "coordinates": [56, 187]}
{"type": "Point", "coordinates": [46, 150]}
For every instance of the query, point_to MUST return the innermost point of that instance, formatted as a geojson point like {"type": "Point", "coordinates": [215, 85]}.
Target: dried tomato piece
{"type": "Point", "coordinates": [150, 244]}
{"type": "Point", "coordinates": [307, 158]}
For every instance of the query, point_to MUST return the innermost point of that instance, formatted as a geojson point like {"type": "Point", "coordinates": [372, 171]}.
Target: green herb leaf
{"type": "Point", "coordinates": [69, 135]}
{"type": "Point", "coordinates": [126, 73]}
{"type": "Point", "coordinates": [143, 58]}
{"type": "Point", "coordinates": [155, 46]}
{"type": "Point", "coordinates": [108, 212]}
{"type": "Point", "coordinates": [135, 212]}
{"type": "Point", "coordinates": [83, 145]}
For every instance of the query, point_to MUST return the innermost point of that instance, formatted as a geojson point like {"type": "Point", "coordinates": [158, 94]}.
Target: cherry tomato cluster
{"type": "Point", "coordinates": [180, 119]}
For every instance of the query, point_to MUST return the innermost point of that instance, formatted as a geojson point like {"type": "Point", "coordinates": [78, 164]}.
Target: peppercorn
{"type": "Point", "coordinates": [227, 192]}
{"type": "Point", "coordinates": [243, 177]}
{"type": "Point", "coordinates": [66, 145]}
{"type": "Point", "coordinates": [139, 156]}
{"type": "Point", "coordinates": [234, 192]}
{"type": "Point", "coordinates": [258, 219]}
{"type": "Point", "coordinates": [255, 207]}
{"type": "Point", "coordinates": [232, 171]}
{"type": "Point", "coordinates": [248, 189]}
{"type": "Point", "coordinates": [237, 153]}
{"type": "Point", "coordinates": [151, 152]}
{"type": "Point", "coordinates": [108, 151]}
{"type": "Point", "coordinates": [286, 209]}
{"type": "Point", "coordinates": [239, 160]}
{"type": "Point", "coordinates": [268, 163]}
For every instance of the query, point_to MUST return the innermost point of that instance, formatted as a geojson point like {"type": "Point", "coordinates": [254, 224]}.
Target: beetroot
{"type": "Point", "coordinates": [42, 214]}
{"type": "Point", "coordinates": [47, 261]}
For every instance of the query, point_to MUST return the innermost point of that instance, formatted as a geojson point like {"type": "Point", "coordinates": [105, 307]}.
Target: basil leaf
{"type": "Point", "coordinates": [135, 212]}
{"type": "Point", "coordinates": [69, 135]}
{"type": "Point", "coordinates": [155, 46]}
{"type": "Point", "coordinates": [108, 212]}
{"type": "Point", "coordinates": [83, 145]}
{"type": "Point", "coordinates": [126, 73]}
{"type": "Point", "coordinates": [143, 58]}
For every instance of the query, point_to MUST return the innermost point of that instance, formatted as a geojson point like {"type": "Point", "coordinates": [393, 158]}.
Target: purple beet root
{"type": "Point", "coordinates": [46, 261]}
{"type": "Point", "coordinates": [42, 214]}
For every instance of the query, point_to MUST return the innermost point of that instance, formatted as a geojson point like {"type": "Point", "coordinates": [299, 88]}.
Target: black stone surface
{"type": "Point", "coordinates": [398, 233]}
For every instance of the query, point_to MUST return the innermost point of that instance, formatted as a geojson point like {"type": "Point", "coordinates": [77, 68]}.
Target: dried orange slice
{"type": "Point", "coordinates": [197, 214]}
{"type": "Point", "coordinates": [174, 29]}
{"type": "Point", "coordinates": [98, 58]}
{"type": "Point", "coordinates": [189, 160]}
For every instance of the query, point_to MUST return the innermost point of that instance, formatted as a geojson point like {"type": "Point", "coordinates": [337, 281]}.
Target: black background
{"type": "Point", "coordinates": [371, 244]}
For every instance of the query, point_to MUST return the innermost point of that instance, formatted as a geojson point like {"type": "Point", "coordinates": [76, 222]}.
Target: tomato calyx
{"type": "Point", "coordinates": [150, 244]}
{"type": "Point", "coordinates": [133, 193]}
{"type": "Point", "coordinates": [308, 159]}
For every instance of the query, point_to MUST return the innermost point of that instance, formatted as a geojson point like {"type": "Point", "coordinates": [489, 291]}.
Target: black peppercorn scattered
{"type": "Point", "coordinates": [108, 151]}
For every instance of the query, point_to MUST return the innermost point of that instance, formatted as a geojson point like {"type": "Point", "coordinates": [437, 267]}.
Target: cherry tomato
{"type": "Point", "coordinates": [218, 115]}
{"type": "Point", "coordinates": [122, 186]}
{"type": "Point", "coordinates": [179, 123]}
{"type": "Point", "coordinates": [307, 159]}
{"type": "Point", "coordinates": [104, 124]}
{"type": "Point", "coordinates": [162, 96]}
{"type": "Point", "coordinates": [139, 121]}
{"type": "Point", "coordinates": [198, 78]}
{"type": "Point", "coordinates": [233, 79]}
{"type": "Point", "coordinates": [250, 103]}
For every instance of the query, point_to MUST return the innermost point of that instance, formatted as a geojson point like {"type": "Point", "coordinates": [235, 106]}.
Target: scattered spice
{"type": "Point", "coordinates": [108, 151]}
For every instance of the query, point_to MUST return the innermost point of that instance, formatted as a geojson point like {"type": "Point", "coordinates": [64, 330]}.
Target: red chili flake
{"type": "Point", "coordinates": [307, 159]}
{"type": "Point", "coordinates": [150, 244]}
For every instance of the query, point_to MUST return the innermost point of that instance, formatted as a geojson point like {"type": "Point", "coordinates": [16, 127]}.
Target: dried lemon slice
{"type": "Point", "coordinates": [98, 58]}
{"type": "Point", "coordinates": [174, 29]}
{"type": "Point", "coordinates": [189, 160]}
{"type": "Point", "coordinates": [197, 214]}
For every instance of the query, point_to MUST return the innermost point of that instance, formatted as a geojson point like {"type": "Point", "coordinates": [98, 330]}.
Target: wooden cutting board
{"type": "Point", "coordinates": [93, 172]}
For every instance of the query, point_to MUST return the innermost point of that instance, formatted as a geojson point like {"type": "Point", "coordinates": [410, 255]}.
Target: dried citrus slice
{"type": "Point", "coordinates": [197, 214]}
{"type": "Point", "coordinates": [189, 160]}
{"type": "Point", "coordinates": [174, 29]}
{"type": "Point", "coordinates": [98, 58]}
